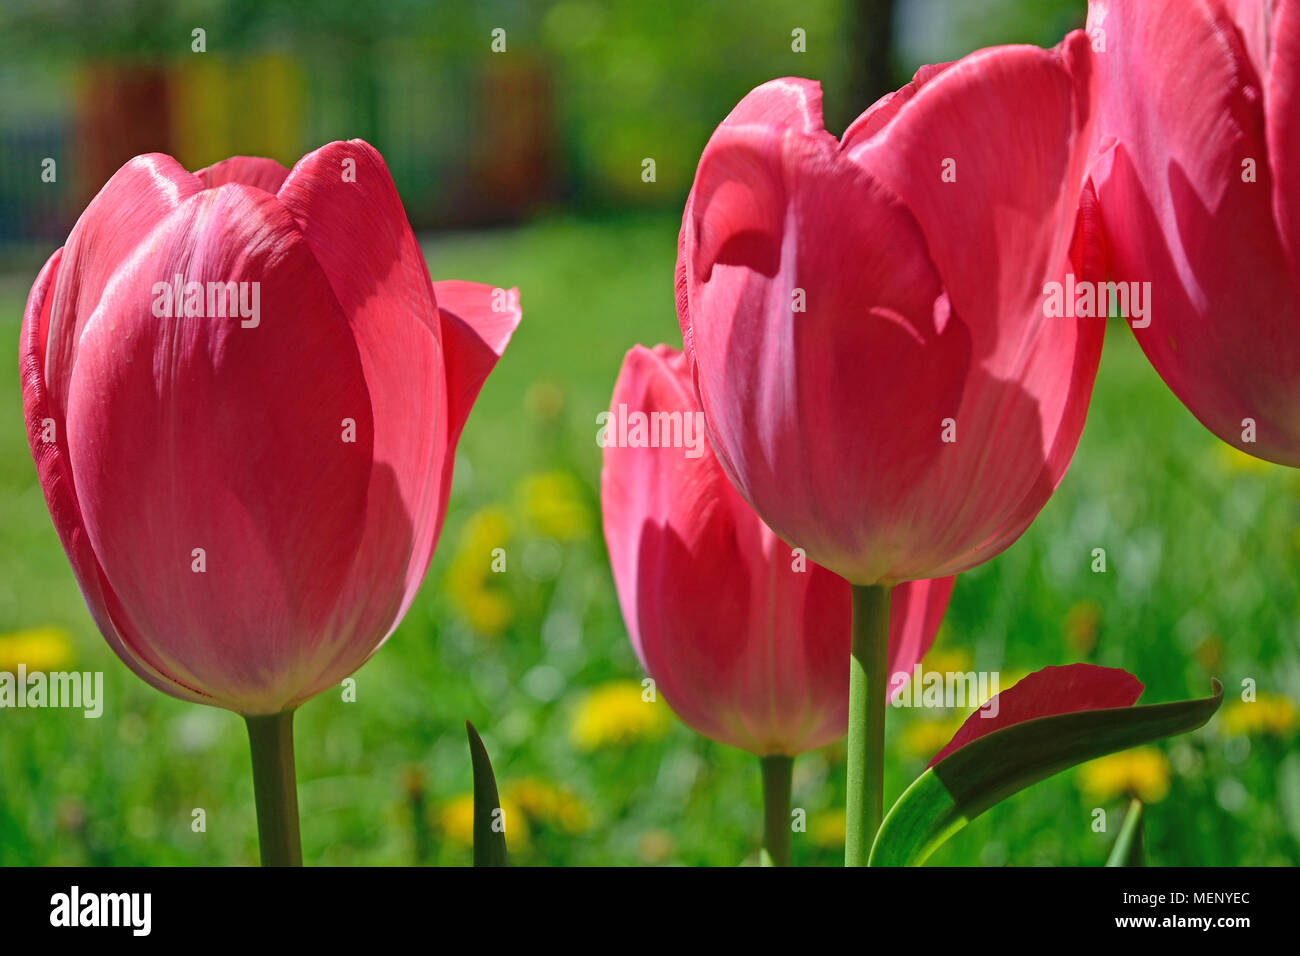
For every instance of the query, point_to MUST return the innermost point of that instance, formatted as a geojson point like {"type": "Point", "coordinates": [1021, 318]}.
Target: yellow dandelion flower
{"type": "Point", "coordinates": [1267, 714]}
{"type": "Point", "coordinates": [827, 829]}
{"type": "Point", "coordinates": [616, 714]}
{"type": "Point", "coordinates": [39, 648]}
{"type": "Point", "coordinates": [1142, 773]}
{"type": "Point", "coordinates": [456, 820]}
{"type": "Point", "coordinates": [546, 803]}
{"type": "Point", "coordinates": [554, 503]}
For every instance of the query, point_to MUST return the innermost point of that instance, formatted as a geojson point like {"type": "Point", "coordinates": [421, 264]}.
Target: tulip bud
{"type": "Point", "coordinates": [909, 419]}
{"type": "Point", "coordinates": [243, 395]}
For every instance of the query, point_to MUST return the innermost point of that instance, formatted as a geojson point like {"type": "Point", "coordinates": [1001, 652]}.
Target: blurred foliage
{"type": "Point", "coordinates": [1202, 568]}
{"type": "Point", "coordinates": [584, 93]}
{"type": "Point", "coordinates": [611, 84]}
{"type": "Point", "coordinates": [936, 31]}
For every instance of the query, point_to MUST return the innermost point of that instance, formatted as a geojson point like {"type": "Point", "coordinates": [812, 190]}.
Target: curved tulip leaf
{"type": "Point", "coordinates": [489, 838]}
{"type": "Point", "coordinates": [1127, 850]}
{"type": "Point", "coordinates": [991, 768]}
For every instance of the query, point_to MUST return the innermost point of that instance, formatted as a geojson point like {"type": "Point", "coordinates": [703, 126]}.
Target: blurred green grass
{"type": "Point", "coordinates": [1202, 556]}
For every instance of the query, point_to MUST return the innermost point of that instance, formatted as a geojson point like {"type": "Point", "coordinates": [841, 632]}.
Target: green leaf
{"type": "Point", "coordinates": [1127, 850]}
{"type": "Point", "coordinates": [991, 768]}
{"type": "Point", "coordinates": [489, 835]}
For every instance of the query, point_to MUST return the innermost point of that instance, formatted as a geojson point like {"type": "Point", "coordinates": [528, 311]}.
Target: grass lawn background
{"type": "Point", "coordinates": [1202, 546]}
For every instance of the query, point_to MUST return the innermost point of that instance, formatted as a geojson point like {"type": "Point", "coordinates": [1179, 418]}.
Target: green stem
{"type": "Point", "coordinates": [276, 791]}
{"type": "Point", "coordinates": [868, 679]}
{"type": "Point", "coordinates": [1128, 844]}
{"type": "Point", "coordinates": [777, 774]}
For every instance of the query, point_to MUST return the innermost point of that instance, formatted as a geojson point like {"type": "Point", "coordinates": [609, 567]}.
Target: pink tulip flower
{"type": "Point", "coordinates": [243, 395]}
{"type": "Point", "coordinates": [746, 640]}
{"type": "Point", "coordinates": [866, 319]}
{"type": "Point", "coordinates": [1198, 141]}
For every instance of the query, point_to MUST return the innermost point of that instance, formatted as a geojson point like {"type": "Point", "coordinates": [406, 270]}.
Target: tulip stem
{"type": "Point", "coordinates": [868, 663]}
{"type": "Point", "coordinates": [275, 788]}
{"type": "Point", "coordinates": [777, 774]}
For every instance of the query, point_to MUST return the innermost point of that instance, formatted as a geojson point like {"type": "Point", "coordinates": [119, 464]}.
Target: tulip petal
{"type": "Point", "coordinates": [880, 113]}
{"type": "Point", "coordinates": [1046, 693]}
{"type": "Point", "coordinates": [256, 171]}
{"type": "Point", "coordinates": [477, 323]}
{"type": "Point", "coordinates": [1036, 418]}
{"type": "Point", "coordinates": [140, 194]}
{"type": "Point", "coordinates": [348, 210]}
{"type": "Point", "coordinates": [51, 458]}
{"type": "Point", "coordinates": [789, 102]}
{"type": "Point", "coordinates": [915, 611]}
{"type": "Point", "coordinates": [1282, 102]}
{"type": "Point", "coordinates": [995, 236]}
{"type": "Point", "coordinates": [1192, 188]}
{"type": "Point", "coordinates": [786, 103]}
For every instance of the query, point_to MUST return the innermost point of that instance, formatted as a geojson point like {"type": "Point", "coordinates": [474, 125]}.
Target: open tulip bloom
{"type": "Point", "coordinates": [243, 395]}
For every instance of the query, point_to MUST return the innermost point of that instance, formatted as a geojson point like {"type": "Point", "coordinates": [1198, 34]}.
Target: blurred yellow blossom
{"type": "Point", "coordinates": [1006, 680]}
{"type": "Point", "coordinates": [925, 738]}
{"type": "Point", "coordinates": [826, 829]}
{"type": "Point", "coordinates": [546, 803]}
{"type": "Point", "coordinates": [1267, 714]}
{"type": "Point", "coordinates": [487, 607]}
{"type": "Point", "coordinates": [1082, 622]}
{"type": "Point", "coordinates": [39, 648]}
{"type": "Point", "coordinates": [655, 846]}
{"type": "Point", "coordinates": [1234, 460]}
{"type": "Point", "coordinates": [616, 714]}
{"type": "Point", "coordinates": [554, 503]}
{"type": "Point", "coordinates": [948, 660]}
{"type": "Point", "coordinates": [545, 402]}
{"type": "Point", "coordinates": [488, 611]}
{"type": "Point", "coordinates": [457, 822]}
{"type": "Point", "coordinates": [1209, 654]}
{"type": "Point", "coordinates": [1142, 773]}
